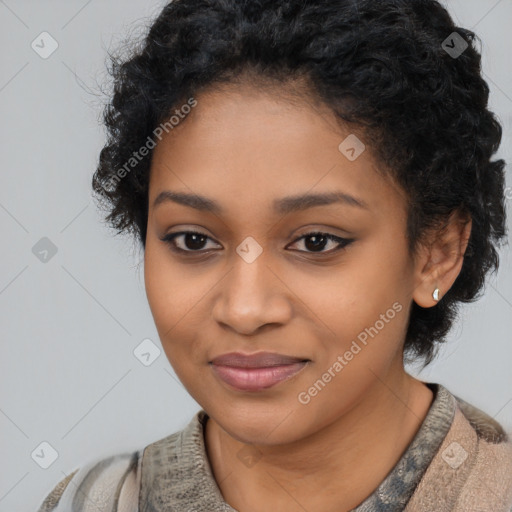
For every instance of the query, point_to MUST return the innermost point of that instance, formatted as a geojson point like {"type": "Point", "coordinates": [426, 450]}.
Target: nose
{"type": "Point", "coordinates": [252, 295]}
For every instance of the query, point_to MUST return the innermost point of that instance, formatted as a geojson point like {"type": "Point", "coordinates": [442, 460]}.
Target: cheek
{"type": "Point", "coordinates": [160, 282]}
{"type": "Point", "coordinates": [174, 297]}
{"type": "Point", "coordinates": [363, 304]}
{"type": "Point", "coordinates": [167, 289]}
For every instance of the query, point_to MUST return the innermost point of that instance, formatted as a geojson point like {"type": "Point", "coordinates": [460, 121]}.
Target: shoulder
{"type": "Point", "coordinates": [492, 447]}
{"type": "Point", "coordinates": [486, 428]}
{"type": "Point", "coordinates": [116, 484]}
{"type": "Point", "coordinates": [472, 469]}
{"type": "Point", "coordinates": [108, 484]}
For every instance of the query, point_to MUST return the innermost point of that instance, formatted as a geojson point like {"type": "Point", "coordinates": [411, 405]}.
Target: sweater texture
{"type": "Point", "coordinates": [460, 460]}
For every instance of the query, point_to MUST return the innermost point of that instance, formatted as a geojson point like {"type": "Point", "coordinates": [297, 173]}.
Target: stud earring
{"type": "Point", "coordinates": [436, 294]}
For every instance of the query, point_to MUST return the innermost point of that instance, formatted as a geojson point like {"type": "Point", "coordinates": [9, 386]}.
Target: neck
{"type": "Point", "coordinates": [347, 459]}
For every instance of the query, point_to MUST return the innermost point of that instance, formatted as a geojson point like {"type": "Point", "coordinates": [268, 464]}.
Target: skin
{"type": "Point", "coordinates": [291, 299]}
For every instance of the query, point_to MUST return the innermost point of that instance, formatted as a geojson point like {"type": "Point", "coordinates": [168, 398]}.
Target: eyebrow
{"type": "Point", "coordinates": [281, 206]}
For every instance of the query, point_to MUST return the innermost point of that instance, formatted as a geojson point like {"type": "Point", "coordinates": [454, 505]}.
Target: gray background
{"type": "Point", "coordinates": [69, 325]}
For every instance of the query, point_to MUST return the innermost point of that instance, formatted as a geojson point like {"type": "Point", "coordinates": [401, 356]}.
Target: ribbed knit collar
{"type": "Point", "coordinates": [177, 476]}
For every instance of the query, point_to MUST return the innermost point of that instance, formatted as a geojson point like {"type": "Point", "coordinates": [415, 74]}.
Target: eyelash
{"type": "Point", "coordinates": [343, 242]}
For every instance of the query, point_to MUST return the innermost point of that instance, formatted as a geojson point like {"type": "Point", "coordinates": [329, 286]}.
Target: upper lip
{"type": "Point", "coordinates": [256, 360]}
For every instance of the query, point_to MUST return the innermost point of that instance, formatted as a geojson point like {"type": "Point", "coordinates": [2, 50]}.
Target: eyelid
{"type": "Point", "coordinates": [341, 241]}
{"type": "Point", "coordinates": [170, 237]}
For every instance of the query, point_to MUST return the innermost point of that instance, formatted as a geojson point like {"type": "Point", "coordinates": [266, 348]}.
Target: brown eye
{"type": "Point", "coordinates": [192, 241]}
{"type": "Point", "coordinates": [315, 242]}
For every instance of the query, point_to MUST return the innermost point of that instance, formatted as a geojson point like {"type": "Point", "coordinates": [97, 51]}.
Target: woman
{"type": "Point", "coordinates": [313, 188]}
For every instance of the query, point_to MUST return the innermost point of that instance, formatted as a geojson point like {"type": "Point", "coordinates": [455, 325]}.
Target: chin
{"type": "Point", "coordinates": [259, 424]}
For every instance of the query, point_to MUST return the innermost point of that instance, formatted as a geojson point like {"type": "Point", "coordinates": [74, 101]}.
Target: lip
{"type": "Point", "coordinates": [256, 372]}
{"type": "Point", "coordinates": [256, 360]}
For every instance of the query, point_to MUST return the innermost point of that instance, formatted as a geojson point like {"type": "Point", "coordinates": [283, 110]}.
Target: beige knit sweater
{"type": "Point", "coordinates": [459, 461]}
{"type": "Point", "coordinates": [471, 472]}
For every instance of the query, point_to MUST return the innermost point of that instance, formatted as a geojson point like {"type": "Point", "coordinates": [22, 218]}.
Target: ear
{"type": "Point", "coordinates": [439, 260]}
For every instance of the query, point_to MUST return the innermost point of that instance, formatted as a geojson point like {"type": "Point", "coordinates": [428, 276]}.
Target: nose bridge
{"type": "Point", "coordinates": [249, 264]}
{"type": "Point", "coordinates": [248, 279]}
{"type": "Point", "coordinates": [250, 294]}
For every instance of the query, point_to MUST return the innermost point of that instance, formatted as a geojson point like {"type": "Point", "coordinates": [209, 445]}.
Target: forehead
{"type": "Point", "coordinates": [248, 147]}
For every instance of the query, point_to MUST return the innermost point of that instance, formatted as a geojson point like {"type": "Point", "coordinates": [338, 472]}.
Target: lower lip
{"type": "Point", "coordinates": [256, 379]}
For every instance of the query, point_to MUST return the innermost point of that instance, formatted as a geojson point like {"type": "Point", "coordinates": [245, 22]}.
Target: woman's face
{"type": "Point", "coordinates": [253, 281]}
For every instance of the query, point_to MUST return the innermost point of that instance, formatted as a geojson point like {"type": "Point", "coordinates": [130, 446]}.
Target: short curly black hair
{"type": "Point", "coordinates": [382, 67]}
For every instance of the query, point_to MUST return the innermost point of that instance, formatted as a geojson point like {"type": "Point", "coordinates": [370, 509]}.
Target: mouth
{"type": "Point", "coordinates": [256, 360]}
{"type": "Point", "coordinates": [256, 372]}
